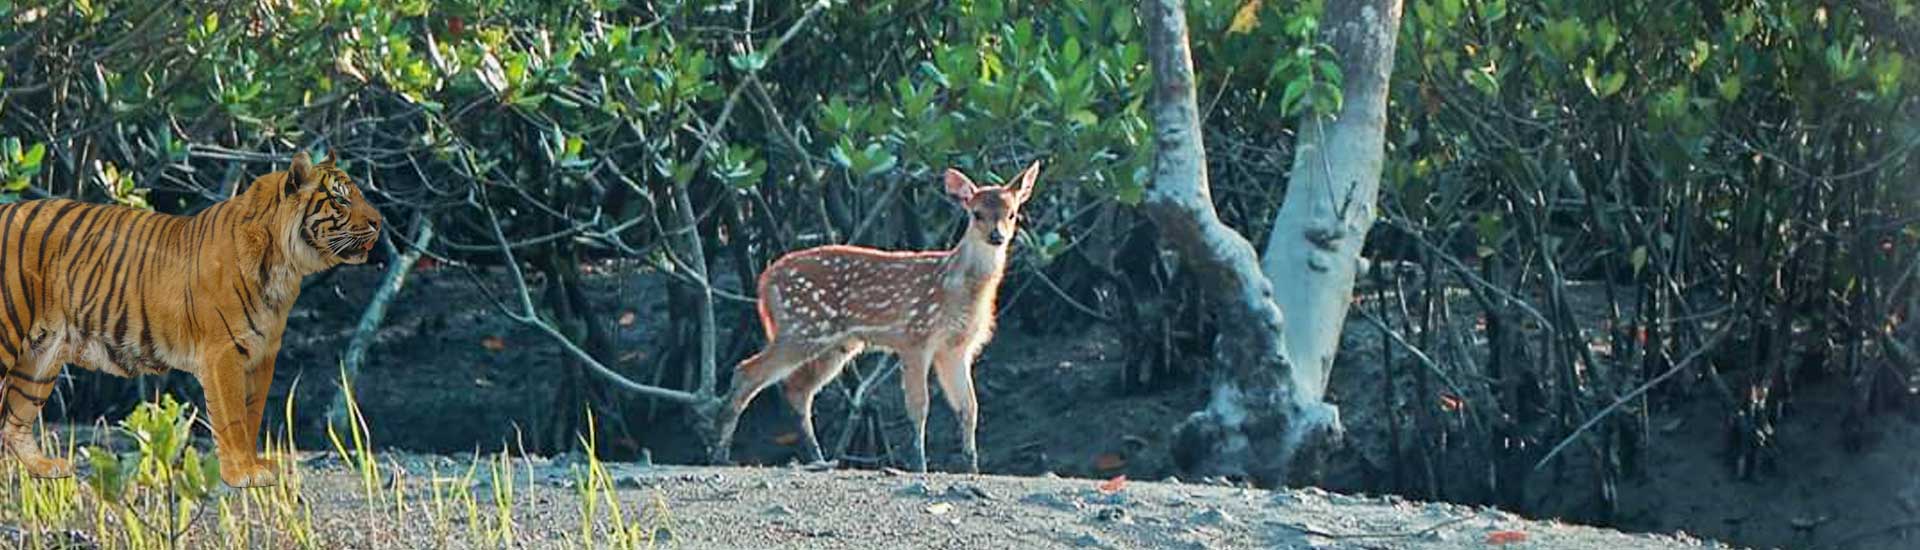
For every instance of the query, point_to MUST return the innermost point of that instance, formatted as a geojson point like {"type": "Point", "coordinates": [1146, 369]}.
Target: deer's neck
{"type": "Point", "coordinates": [974, 264]}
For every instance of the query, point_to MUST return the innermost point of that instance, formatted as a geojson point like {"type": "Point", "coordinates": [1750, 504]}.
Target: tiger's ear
{"type": "Point", "coordinates": [332, 155]}
{"type": "Point", "coordinates": [301, 175]}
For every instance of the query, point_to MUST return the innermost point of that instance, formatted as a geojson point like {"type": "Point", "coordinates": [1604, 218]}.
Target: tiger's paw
{"type": "Point", "coordinates": [44, 467]}
{"type": "Point", "coordinates": [253, 472]}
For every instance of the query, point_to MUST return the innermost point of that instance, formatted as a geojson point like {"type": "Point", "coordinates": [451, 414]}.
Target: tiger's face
{"type": "Point", "coordinates": [336, 221]}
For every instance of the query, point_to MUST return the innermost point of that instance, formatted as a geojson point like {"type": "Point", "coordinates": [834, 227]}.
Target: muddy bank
{"type": "Point", "coordinates": [448, 374]}
{"type": "Point", "coordinates": [706, 507]}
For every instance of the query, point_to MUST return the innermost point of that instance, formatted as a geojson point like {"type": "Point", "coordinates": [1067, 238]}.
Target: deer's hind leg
{"type": "Point", "coordinates": [800, 387]}
{"type": "Point", "coordinates": [913, 379]}
{"type": "Point", "coordinates": [29, 380]}
{"type": "Point", "coordinates": [771, 365]}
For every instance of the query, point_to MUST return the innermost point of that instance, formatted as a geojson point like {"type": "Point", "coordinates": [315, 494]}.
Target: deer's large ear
{"type": "Point", "coordinates": [959, 188]}
{"type": "Point", "coordinates": [300, 174]}
{"type": "Point", "coordinates": [1023, 183]}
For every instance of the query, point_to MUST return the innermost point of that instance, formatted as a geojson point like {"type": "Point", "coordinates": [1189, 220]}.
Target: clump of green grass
{"type": "Point", "coordinates": [156, 490]}
{"type": "Point", "coordinates": [595, 487]}
{"type": "Point", "coordinates": [360, 456]}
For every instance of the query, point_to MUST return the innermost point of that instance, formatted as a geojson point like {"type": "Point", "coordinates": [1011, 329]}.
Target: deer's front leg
{"type": "Point", "coordinates": [224, 378]}
{"type": "Point", "coordinates": [955, 370]}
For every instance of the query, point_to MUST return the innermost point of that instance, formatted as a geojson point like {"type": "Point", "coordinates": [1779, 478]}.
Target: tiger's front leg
{"type": "Point", "coordinates": [224, 378]}
{"type": "Point", "coordinates": [258, 381]}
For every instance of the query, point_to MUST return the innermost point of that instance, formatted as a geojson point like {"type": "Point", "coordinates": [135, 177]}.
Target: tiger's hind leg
{"type": "Point", "coordinates": [28, 384]}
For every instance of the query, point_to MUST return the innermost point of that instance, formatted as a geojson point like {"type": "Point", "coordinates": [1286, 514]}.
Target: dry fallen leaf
{"type": "Point", "coordinates": [1108, 462]}
{"type": "Point", "coordinates": [627, 318]}
{"type": "Point", "coordinates": [493, 343]}
{"type": "Point", "coordinates": [939, 508]}
{"type": "Point", "coordinates": [787, 439]}
{"type": "Point", "coordinates": [1503, 538]}
{"type": "Point", "coordinates": [1115, 485]}
{"type": "Point", "coordinates": [1246, 19]}
{"type": "Point", "coordinates": [1451, 402]}
{"type": "Point", "coordinates": [482, 382]}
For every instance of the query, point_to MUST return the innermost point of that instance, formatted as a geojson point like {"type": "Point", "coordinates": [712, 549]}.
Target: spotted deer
{"type": "Point", "coordinates": [822, 306]}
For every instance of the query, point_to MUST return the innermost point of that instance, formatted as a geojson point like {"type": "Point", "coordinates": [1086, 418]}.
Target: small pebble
{"type": "Point", "coordinates": [967, 492]}
{"type": "Point", "coordinates": [915, 489]}
{"type": "Point", "coordinates": [1215, 516]}
{"type": "Point", "coordinates": [1346, 500]}
{"type": "Point", "coordinates": [1054, 500]}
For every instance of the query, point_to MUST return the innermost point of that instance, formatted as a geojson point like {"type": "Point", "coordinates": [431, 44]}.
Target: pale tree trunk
{"type": "Point", "coordinates": [1313, 253]}
{"type": "Point", "coordinates": [1254, 423]}
{"type": "Point", "coordinates": [398, 267]}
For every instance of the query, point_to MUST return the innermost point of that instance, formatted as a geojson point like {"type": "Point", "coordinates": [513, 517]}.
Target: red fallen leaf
{"type": "Point", "coordinates": [425, 264]}
{"type": "Point", "coordinates": [456, 25]}
{"type": "Point", "coordinates": [1115, 485]}
{"type": "Point", "coordinates": [1503, 538]}
{"type": "Point", "coordinates": [1640, 336]}
{"type": "Point", "coordinates": [627, 318]}
{"type": "Point", "coordinates": [1451, 402]}
{"type": "Point", "coordinates": [1108, 462]}
{"type": "Point", "coordinates": [787, 439]}
{"type": "Point", "coordinates": [493, 343]}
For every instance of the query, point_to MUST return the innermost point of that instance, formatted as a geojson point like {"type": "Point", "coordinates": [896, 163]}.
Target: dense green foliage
{"type": "Point", "coordinates": [1737, 165]}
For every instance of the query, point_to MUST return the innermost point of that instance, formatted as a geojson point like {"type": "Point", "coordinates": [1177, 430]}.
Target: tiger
{"type": "Point", "coordinates": [128, 291]}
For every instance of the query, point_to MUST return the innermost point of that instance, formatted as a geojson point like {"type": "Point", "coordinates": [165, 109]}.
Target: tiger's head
{"type": "Point", "coordinates": [329, 217]}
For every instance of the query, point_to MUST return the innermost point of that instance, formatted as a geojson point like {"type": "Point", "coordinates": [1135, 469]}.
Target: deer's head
{"type": "Point", "coordinates": [993, 211]}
